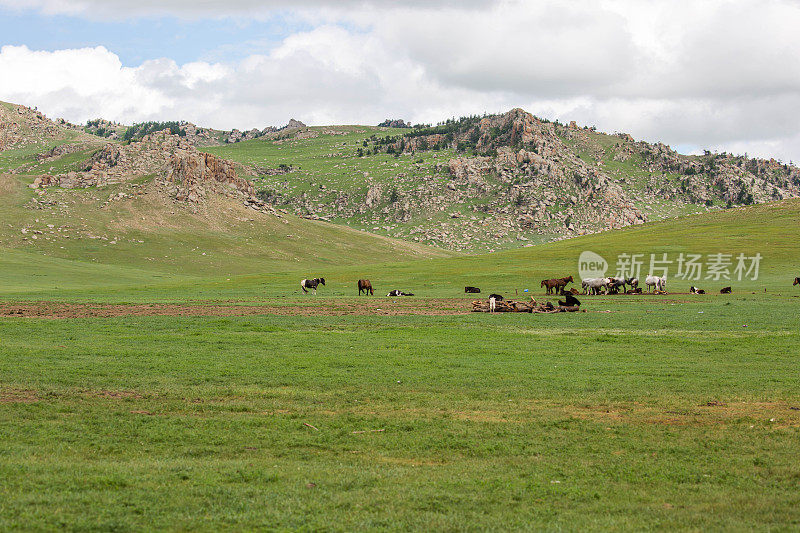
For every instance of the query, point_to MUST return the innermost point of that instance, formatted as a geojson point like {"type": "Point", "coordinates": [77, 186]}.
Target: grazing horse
{"type": "Point", "coordinates": [796, 282]}
{"type": "Point", "coordinates": [725, 290]}
{"type": "Point", "coordinates": [594, 285]}
{"type": "Point", "coordinates": [555, 284]}
{"type": "Point", "coordinates": [695, 290]}
{"type": "Point", "coordinates": [311, 284]}
{"type": "Point", "coordinates": [657, 282]}
{"type": "Point", "coordinates": [472, 290]}
{"type": "Point", "coordinates": [633, 282]}
{"type": "Point", "coordinates": [366, 286]}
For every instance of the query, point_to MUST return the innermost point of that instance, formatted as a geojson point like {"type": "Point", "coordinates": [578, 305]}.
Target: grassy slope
{"type": "Point", "coordinates": [329, 160]}
{"type": "Point", "coordinates": [147, 232]}
{"type": "Point", "coordinates": [765, 229]}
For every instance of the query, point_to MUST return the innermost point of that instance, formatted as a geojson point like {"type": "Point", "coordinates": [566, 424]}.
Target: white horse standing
{"type": "Point", "coordinates": [593, 285]}
{"type": "Point", "coordinates": [658, 282]}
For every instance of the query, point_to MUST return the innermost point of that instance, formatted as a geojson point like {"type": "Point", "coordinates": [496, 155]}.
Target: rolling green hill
{"type": "Point", "coordinates": [387, 192]}
{"type": "Point", "coordinates": [242, 260]}
{"type": "Point", "coordinates": [76, 237]}
{"type": "Point", "coordinates": [497, 182]}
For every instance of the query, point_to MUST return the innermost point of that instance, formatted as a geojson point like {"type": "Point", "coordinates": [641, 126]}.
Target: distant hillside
{"type": "Point", "coordinates": [156, 205]}
{"type": "Point", "coordinates": [479, 183]}
{"type": "Point", "coordinates": [194, 135]}
{"type": "Point", "coordinates": [486, 183]}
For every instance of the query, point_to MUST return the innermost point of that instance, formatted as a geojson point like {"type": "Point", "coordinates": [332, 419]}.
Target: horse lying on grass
{"type": "Point", "coordinates": [397, 292]}
{"type": "Point", "coordinates": [569, 301]}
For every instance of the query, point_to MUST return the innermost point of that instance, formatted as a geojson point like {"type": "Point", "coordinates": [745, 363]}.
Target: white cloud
{"type": "Point", "coordinates": [717, 74]}
{"type": "Point", "coordinates": [192, 9]}
{"type": "Point", "coordinates": [542, 48]}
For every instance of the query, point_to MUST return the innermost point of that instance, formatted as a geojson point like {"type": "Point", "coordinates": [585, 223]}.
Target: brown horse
{"type": "Point", "coordinates": [796, 281]}
{"type": "Point", "coordinates": [555, 284]}
{"type": "Point", "coordinates": [725, 290]}
{"type": "Point", "coordinates": [366, 286]}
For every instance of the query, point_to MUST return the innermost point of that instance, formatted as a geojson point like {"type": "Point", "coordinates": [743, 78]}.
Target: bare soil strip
{"type": "Point", "coordinates": [372, 307]}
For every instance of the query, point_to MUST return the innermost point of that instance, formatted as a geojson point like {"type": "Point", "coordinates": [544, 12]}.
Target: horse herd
{"type": "Point", "coordinates": [594, 286]}
{"type": "Point", "coordinates": [609, 285]}
{"type": "Point", "coordinates": [364, 286]}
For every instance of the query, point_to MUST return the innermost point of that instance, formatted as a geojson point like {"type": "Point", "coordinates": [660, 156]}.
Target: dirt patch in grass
{"type": "Point", "coordinates": [113, 394]}
{"type": "Point", "coordinates": [18, 396]}
{"type": "Point", "coordinates": [374, 307]}
{"type": "Point", "coordinates": [8, 184]}
{"type": "Point", "coordinates": [404, 461]}
{"type": "Point", "coordinates": [776, 414]}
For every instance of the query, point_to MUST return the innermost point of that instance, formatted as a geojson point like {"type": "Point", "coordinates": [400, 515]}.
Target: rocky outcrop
{"type": "Point", "coordinates": [394, 123]}
{"type": "Point", "coordinates": [23, 126]}
{"type": "Point", "coordinates": [293, 124]}
{"type": "Point", "coordinates": [374, 194]}
{"type": "Point", "coordinates": [186, 173]}
{"type": "Point", "coordinates": [533, 175]}
{"type": "Point", "coordinates": [191, 174]}
{"type": "Point", "coordinates": [59, 151]}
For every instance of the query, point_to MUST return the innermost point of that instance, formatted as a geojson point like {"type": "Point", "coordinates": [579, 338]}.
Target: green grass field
{"type": "Point", "coordinates": [652, 412]}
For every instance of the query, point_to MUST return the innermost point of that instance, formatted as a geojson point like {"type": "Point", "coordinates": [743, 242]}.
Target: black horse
{"type": "Point", "coordinates": [569, 301]}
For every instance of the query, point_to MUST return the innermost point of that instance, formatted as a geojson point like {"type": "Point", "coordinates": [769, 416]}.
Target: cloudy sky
{"type": "Point", "coordinates": [716, 74]}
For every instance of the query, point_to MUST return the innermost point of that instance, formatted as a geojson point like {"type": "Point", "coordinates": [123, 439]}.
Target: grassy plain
{"type": "Point", "coordinates": [650, 416]}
